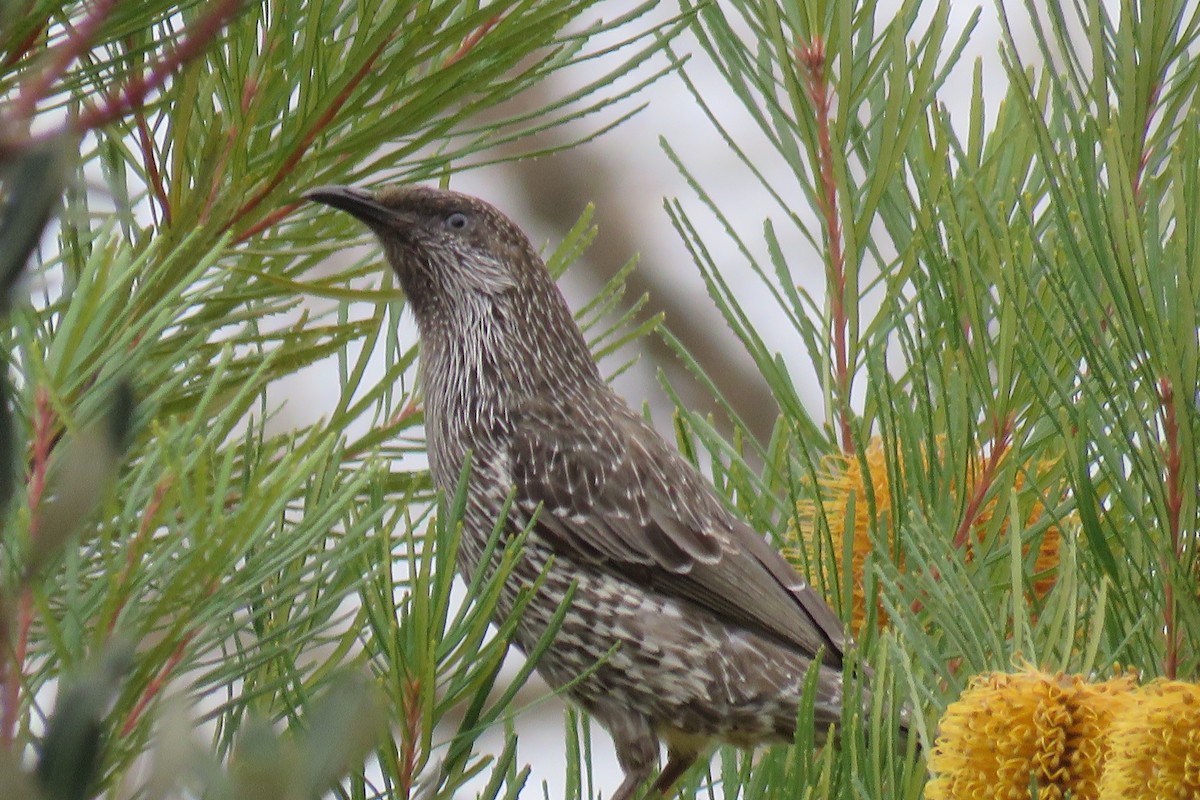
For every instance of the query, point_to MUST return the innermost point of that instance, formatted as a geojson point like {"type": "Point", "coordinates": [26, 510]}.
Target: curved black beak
{"type": "Point", "coordinates": [358, 202]}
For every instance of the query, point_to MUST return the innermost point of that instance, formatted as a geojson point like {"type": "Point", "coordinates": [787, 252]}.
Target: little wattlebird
{"type": "Point", "coordinates": [685, 626]}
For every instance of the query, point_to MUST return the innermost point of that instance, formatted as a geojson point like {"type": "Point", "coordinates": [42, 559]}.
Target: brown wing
{"type": "Point", "coordinates": [613, 493]}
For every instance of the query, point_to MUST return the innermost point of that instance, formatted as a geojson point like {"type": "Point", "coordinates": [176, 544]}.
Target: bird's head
{"type": "Point", "coordinates": [475, 282]}
{"type": "Point", "coordinates": [444, 246]}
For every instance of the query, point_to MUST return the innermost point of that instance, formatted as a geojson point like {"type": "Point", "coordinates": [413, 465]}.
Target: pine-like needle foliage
{"type": "Point", "coordinates": [1007, 345]}
{"type": "Point", "coordinates": [166, 533]}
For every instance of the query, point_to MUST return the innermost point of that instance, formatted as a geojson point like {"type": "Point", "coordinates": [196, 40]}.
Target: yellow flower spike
{"type": "Point", "coordinates": [1010, 730]}
{"type": "Point", "coordinates": [842, 477]}
{"type": "Point", "coordinates": [1096, 707]}
{"type": "Point", "coordinates": [1156, 746]}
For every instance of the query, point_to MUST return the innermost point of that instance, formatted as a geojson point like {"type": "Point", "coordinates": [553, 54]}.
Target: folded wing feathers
{"type": "Point", "coordinates": [618, 497]}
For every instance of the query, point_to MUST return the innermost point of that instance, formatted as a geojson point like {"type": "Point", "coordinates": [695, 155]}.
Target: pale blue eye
{"type": "Point", "coordinates": [457, 221]}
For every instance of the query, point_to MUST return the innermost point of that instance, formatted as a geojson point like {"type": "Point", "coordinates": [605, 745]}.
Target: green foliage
{"type": "Point", "coordinates": [1010, 323]}
{"type": "Point", "coordinates": [254, 571]}
{"type": "Point", "coordinates": [1010, 326]}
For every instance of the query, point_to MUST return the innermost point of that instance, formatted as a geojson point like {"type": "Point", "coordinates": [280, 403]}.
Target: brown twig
{"type": "Point", "coordinates": [1001, 440]}
{"type": "Point", "coordinates": [293, 158]}
{"type": "Point", "coordinates": [1173, 463]}
{"type": "Point", "coordinates": [42, 444]}
{"type": "Point", "coordinates": [812, 58]}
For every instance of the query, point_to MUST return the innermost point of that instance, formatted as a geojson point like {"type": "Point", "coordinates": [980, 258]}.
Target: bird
{"type": "Point", "coordinates": [684, 626]}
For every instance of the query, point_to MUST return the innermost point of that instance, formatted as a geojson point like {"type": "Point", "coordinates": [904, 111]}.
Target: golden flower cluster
{"type": "Point", "coordinates": [1156, 752]}
{"type": "Point", "coordinates": [1068, 738]}
{"type": "Point", "coordinates": [842, 481]}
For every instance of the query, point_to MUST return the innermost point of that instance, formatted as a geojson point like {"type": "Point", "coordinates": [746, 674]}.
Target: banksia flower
{"type": "Point", "coordinates": [1010, 730]}
{"type": "Point", "coordinates": [1098, 707]}
{"type": "Point", "coordinates": [1156, 749]}
{"type": "Point", "coordinates": [842, 480]}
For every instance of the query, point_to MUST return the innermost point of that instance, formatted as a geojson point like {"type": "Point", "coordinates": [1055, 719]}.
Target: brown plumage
{"type": "Point", "coordinates": [701, 631]}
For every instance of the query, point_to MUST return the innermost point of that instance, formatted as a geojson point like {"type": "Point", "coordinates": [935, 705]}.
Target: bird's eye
{"type": "Point", "coordinates": [457, 221]}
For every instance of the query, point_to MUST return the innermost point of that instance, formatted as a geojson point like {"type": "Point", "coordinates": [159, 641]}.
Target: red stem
{"type": "Point", "coordinates": [156, 684]}
{"type": "Point", "coordinates": [293, 158]}
{"type": "Point", "coordinates": [812, 57]}
{"type": "Point", "coordinates": [43, 442]}
{"type": "Point", "coordinates": [410, 737]}
{"type": "Point", "coordinates": [123, 100]}
{"type": "Point", "coordinates": [78, 40]}
{"type": "Point", "coordinates": [153, 177]}
{"type": "Point", "coordinates": [473, 39]}
{"type": "Point", "coordinates": [412, 407]}
{"type": "Point", "coordinates": [991, 465]}
{"type": "Point", "coordinates": [1174, 460]}
{"type": "Point", "coordinates": [135, 547]}
{"type": "Point", "coordinates": [249, 90]}
{"type": "Point", "coordinates": [275, 216]}
{"type": "Point", "coordinates": [12, 680]}
{"type": "Point", "coordinates": [134, 93]}
{"type": "Point", "coordinates": [218, 174]}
